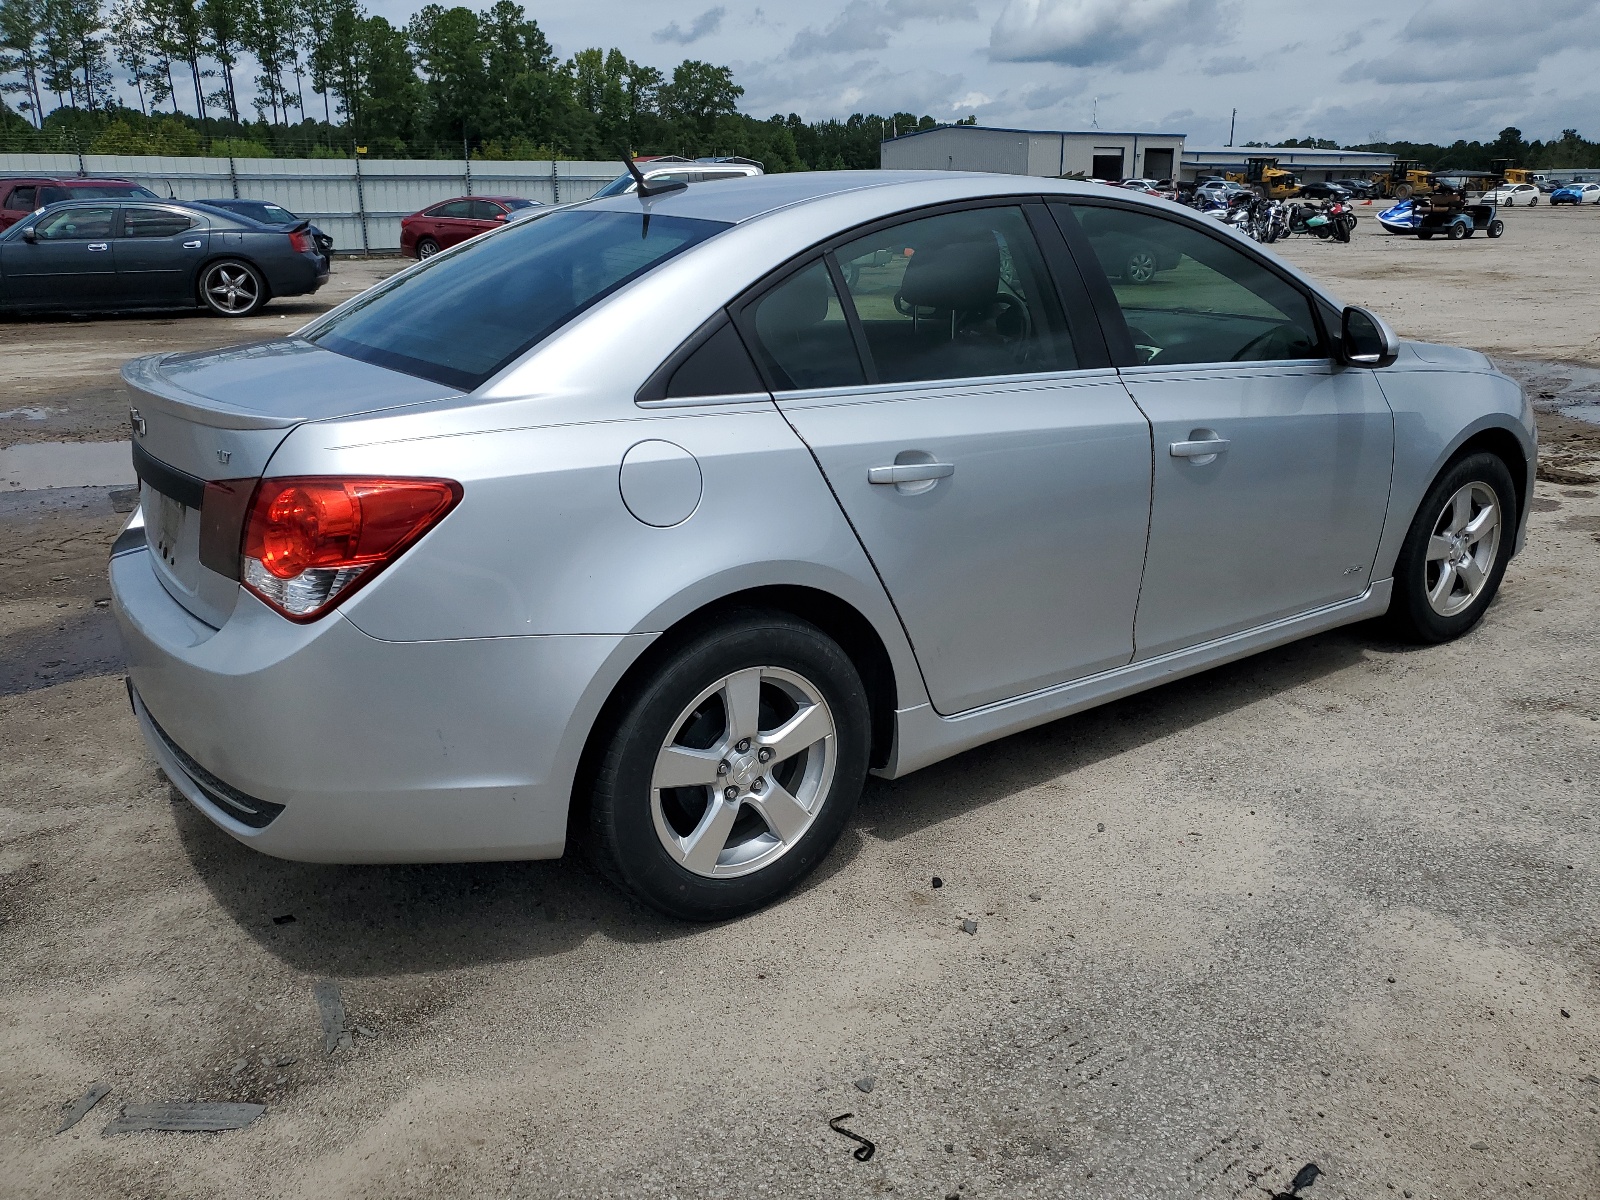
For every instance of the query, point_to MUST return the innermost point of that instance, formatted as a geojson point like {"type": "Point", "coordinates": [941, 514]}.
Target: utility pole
{"type": "Point", "coordinates": [1231, 122]}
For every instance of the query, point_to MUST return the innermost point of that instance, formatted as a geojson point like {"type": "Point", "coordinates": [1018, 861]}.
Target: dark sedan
{"type": "Point", "coordinates": [111, 255]}
{"type": "Point", "coordinates": [1324, 191]}
{"type": "Point", "coordinates": [268, 213]}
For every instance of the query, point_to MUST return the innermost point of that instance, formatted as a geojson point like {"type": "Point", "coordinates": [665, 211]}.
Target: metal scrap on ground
{"type": "Point", "coordinates": [80, 1107]}
{"type": "Point", "coordinates": [189, 1116]}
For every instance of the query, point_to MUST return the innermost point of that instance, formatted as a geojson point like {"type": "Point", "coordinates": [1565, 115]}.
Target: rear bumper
{"type": "Point", "coordinates": [374, 751]}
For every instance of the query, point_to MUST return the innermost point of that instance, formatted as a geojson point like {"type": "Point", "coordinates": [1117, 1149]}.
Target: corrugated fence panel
{"type": "Point", "coordinates": [359, 203]}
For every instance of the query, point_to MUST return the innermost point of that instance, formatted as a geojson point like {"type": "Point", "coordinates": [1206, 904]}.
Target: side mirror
{"type": "Point", "coordinates": [28, 235]}
{"type": "Point", "coordinates": [1365, 341]}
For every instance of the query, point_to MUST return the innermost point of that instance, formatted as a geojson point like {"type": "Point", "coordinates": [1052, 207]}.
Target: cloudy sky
{"type": "Point", "coordinates": [1354, 70]}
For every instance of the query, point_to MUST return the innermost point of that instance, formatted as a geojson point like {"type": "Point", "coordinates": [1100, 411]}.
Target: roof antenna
{"type": "Point", "coordinates": [648, 189]}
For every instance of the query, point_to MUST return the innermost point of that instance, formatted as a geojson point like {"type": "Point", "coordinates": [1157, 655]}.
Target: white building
{"type": "Point", "coordinates": [1093, 153]}
{"type": "Point", "coordinates": [1310, 166]}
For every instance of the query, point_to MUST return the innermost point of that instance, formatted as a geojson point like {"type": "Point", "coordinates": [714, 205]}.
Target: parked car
{"type": "Point", "coordinates": [657, 526]}
{"type": "Point", "coordinates": [23, 195]}
{"type": "Point", "coordinates": [1550, 185]}
{"type": "Point", "coordinates": [116, 254]}
{"type": "Point", "coordinates": [1513, 195]}
{"type": "Point", "coordinates": [1324, 191]}
{"type": "Point", "coordinates": [268, 213]}
{"type": "Point", "coordinates": [451, 222]}
{"type": "Point", "coordinates": [1148, 186]}
{"type": "Point", "coordinates": [1576, 193]}
{"type": "Point", "coordinates": [673, 169]}
{"type": "Point", "coordinates": [1220, 189]}
{"type": "Point", "coordinates": [1361, 189]}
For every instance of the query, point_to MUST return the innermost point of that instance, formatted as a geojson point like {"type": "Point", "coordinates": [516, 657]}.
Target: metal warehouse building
{"type": "Point", "coordinates": [1092, 153]}
{"type": "Point", "coordinates": [1311, 166]}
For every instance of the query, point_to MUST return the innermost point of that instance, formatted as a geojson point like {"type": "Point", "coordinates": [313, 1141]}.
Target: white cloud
{"type": "Point", "coordinates": [867, 24]}
{"type": "Point", "coordinates": [1084, 33]}
{"type": "Point", "coordinates": [1478, 40]}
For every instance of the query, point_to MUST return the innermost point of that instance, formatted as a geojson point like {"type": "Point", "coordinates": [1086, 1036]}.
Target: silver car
{"type": "Point", "coordinates": [654, 525]}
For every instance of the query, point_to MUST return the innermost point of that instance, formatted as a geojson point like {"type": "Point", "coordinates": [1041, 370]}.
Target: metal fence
{"type": "Point", "coordinates": [358, 202]}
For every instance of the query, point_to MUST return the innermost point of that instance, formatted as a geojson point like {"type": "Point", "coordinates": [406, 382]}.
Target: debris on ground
{"type": "Point", "coordinates": [1303, 1178]}
{"type": "Point", "coordinates": [866, 1084]}
{"type": "Point", "coordinates": [330, 1008]}
{"type": "Point", "coordinates": [937, 882]}
{"type": "Point", "coordinates": [968, 925]}
{"type": "Point", "coordinates": [864, 1151]}
{"type": "Point", "coordinates": [79, 1108]}
{"type": "Point", "coordinates": [186, 1116]}
{"type": "Point", "coordinates": [286, 919]}
{"type": "Point", "coordinates": [1099, 826]}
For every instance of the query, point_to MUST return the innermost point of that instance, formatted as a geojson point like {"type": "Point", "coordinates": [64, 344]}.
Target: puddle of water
{"type": "Point", "coordinates": [37, 465]}
{"type": "Point", "coordinates": [1571, 391]}
{"type": "Point", "coordinates": [27, 414]}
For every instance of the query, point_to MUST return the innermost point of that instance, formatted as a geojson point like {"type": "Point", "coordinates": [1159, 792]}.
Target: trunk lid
{"type": "Point", "coordinates": [219, 415]}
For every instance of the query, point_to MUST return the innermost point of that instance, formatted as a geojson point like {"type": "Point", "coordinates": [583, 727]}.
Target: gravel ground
{"type": "Point", "coordinates": [1333, 904]}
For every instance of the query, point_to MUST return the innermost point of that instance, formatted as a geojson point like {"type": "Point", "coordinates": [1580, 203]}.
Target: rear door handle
{"type": "Point", "coordinates": [910, 472]}
{"type": "Point", "coordinates": [1209, 448]}
{"type": "Point", "coordinates": [192, 245]}
{"type": "Point", "coordinates": [98, 246]}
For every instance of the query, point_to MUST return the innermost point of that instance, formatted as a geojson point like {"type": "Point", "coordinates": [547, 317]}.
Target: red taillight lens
{"type": "Point", "coordinates": [310, 542]}
{"type": "Point", "coordinates": [300, 241]}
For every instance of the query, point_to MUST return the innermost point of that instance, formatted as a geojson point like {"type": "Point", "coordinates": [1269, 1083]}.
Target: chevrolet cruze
{"type": "Point", "coordinates": [653, 525]}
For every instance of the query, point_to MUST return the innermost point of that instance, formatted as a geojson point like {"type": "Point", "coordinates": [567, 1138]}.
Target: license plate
{"type": "Point", "coordinates": [167, 528]}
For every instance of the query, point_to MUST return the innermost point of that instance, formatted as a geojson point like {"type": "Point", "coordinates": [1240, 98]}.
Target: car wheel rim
{"type": "Point", "coordinates": [231, 289]}
{"type": "Point", "coordinates": [743, 773]}
{"type": "Point", "coordinates": [427, 250]}
{"type": "Point", "coordinates": [1462, 549]}
{"type": "Point", "coordinates": [1141, 268]}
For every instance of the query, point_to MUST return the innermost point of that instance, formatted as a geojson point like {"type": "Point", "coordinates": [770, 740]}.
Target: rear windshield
{"type": "Point", "coordinates": [516, 204]}
{"type": "Point", "coordinates": [464, 315]}
{"type": "Point", "coordinates": [49, 195]}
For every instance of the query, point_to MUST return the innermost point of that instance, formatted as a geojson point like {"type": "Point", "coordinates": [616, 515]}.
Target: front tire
{"type": "Point", "coordinates": [1496, 228]}
{"type": "Point", "coordinates": [1455, 552]}
{"type": "Point", "coordinates": [231, 288]}
{"type": "Point", "coordinates": [733, 770]}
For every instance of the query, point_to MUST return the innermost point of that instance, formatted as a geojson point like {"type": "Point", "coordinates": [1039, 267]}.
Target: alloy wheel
{"type": "Point", "coordinates": [232, 289]}
{"type": "Point", "coordinates": [1141, 267]}
{"type": "Point", "coordinates": [1462, 549]}
{"type": "Point", "coordinates": [744, 772]}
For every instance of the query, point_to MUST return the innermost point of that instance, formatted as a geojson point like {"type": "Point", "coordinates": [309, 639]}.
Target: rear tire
{"type": "Point", "coordinates": [427, 248]}
{"type": "Point", "coordinates": [1496, 228]}
{"type": "Point", "coordinates": [232, 288]}
{"type": "Point", "coordinates": [1449, 568]}
{"type": "Point", "coordinates": [712, 715]}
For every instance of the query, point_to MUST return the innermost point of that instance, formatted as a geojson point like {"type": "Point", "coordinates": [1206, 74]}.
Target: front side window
{"type": "Point", "coordinates": [802, 336]}
{"type": "Point", "coordinates": [462, 317]}
{"type": "Point", "coordinates": [484, 210]}
{"type": "Point", "coordinates": [959, 295]}
{"type": "Point", "coordinates": [76, 225]}
{"type": "Point", "coordinates": [1191, 298]}
{"type": "Point", "coordinates": [154, 222]}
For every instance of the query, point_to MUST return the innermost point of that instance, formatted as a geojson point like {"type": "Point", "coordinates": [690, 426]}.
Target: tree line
{"type": "Point", "coordinates": [1569, 151]}
{"type": "Point", "coordinates": [323, 77]}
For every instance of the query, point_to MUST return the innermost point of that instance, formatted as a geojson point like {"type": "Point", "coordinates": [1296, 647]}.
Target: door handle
{"type": "Point", "coordinates": [910, 472]}
{"type": "Point", "coordinates": [192, 245]}
{"type": "Point", "coordinates": [98, 246]}
{"type": "Point", "coordinates": [1209, 448]}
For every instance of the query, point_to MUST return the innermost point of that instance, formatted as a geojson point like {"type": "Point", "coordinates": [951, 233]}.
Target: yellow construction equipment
{"type": "Point", "coordinates": [1405, 179]}
{"type": "Point", "coordinates": [1506, 173]}
{"type": "Point", "coordinates": [1266, 179]}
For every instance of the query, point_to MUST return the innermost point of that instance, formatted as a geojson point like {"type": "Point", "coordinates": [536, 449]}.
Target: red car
{"type": "Point", "coordinates": [440, 226]}
{"type": "Point", "coordinates": [19, 197]}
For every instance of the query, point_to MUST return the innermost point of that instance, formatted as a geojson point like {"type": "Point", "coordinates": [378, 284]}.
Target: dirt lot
{"type": "Point", "coordinates": [1334, 904]}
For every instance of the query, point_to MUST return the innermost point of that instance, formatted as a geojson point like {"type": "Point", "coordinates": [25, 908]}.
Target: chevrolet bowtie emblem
{"type": "Point", "coordinates": [136, 421]}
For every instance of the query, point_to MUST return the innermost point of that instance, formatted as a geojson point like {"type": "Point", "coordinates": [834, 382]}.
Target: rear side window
{"type": "Point", "coordinates": [1188, 297]}
{"type": "Point", "coordinates": [23, 199]}
{"type": "Point", "coordinates": [456, 208]}
{"type": "Point", "coordinates": [958, 295]}
{"type": "Point", "coordinates": [462, 317]}
{"type": "Point", "coordinates": [802, 335]}
{"type": "Point", "coordinates": [154, 222]}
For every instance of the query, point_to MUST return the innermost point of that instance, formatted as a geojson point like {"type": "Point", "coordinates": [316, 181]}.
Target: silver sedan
{"type": "Point", "coordinates": [653, 525]}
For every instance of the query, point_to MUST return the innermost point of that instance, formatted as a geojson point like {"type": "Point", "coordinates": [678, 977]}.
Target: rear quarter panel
{"type": "Point", "coordinates": [542, 542]}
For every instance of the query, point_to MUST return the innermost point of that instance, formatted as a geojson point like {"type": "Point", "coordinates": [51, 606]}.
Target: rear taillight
{"type": "Point", "coordinates": [310, 542]}
{"type": "Point", "coordinates": [299, 241]}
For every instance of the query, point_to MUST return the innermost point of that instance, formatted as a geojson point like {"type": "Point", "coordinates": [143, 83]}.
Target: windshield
{"type": "Point", "coordinates": [464, 315]}
{"type": "Point", "coordinates": [616, 187]}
